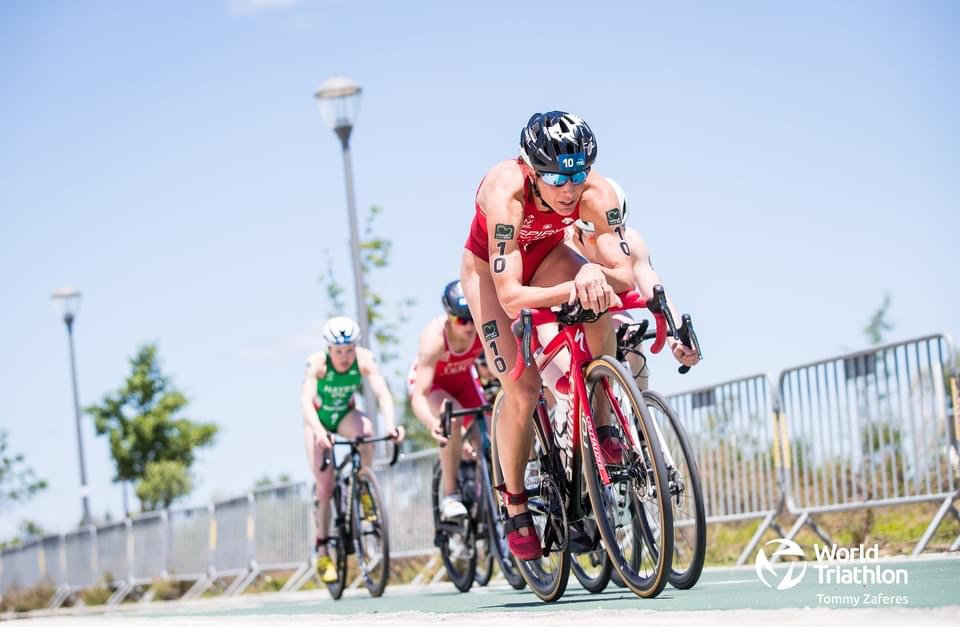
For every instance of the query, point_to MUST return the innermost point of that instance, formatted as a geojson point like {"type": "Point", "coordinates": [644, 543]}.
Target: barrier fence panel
{"type": "Point", "coordinates": [283, 530]}
{"type": "Point", "coordinates": [81, 556]}
{"type": "Point", "coordinates": [150, 539]}
{"type": "Point", "coordinates": [23, 567]}
{"type": "Point", "coordinates": [406, 489]}
{"type": "Point", "coordinates": [188, 556]}
{"type": "Point", "coordinates": [112, 554]}
{"type": "Point", "coordinates": [233, 525]}
{"type": "Point", "coordinates": [53, 559]}
{"type": "Point", "coordinates": [870, 427]}
{"type": "Point", "coordinates": [731, 432]}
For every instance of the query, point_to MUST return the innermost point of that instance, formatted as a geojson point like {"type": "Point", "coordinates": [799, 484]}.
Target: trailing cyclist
{"type": "Point", "coordinates": [582, 237]}
{"type": "Point", "coordinates": [445, 371]}
{"type": "Point", "coordinates": [327, 404]}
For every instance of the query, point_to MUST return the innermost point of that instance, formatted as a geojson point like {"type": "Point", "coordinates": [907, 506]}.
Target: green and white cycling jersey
{"type": "Point", "coordinates": [335, 391]}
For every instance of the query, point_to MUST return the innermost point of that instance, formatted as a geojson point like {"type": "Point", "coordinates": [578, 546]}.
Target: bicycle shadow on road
{"type": "Point", "coordinates": [580, 596]}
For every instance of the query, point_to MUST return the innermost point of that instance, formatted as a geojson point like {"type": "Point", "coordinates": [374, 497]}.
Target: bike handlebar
{"type": "Point", "coordinates": [449, 413]}
{"type": "Point", "coordinates": [569, 315]}
{"type": "Point", "coordinates": [334, 441]}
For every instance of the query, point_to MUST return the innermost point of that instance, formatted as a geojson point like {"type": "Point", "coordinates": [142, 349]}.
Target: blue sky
{"type": "Point", "coordinates": [789, 164]}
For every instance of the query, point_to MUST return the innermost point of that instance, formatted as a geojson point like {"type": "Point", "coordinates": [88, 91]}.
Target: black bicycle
{"type": "Point", "coordinates": [469, 547]}
{"type": "Point", "coordinates": [359, 518]}
{"type": "Point", "coordinates": [686, 494]}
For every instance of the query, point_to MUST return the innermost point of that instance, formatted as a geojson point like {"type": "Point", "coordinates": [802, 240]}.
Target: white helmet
{"type": "Point", "coordinates": [341, 331]}
{"type": "Point", "coordinates": [588, 227]}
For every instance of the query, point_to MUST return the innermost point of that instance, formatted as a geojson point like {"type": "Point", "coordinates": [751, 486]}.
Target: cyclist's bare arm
{"type": "Point", "coordinates": [599, 205]}
{"type": "Point", "coordinates": [646, 277]}
{"type": "Point", "coordinates": [501, 198]}
{"type": "Point", "coordinates": [371, 372]}
{"type": "Point", "coordinates": [431, 349]}
{"type": "Point", "coordinates": [316, 369]}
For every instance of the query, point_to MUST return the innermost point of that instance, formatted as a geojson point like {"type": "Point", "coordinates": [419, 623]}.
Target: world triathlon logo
{"type": "Point", "coordinates": [783, 581]}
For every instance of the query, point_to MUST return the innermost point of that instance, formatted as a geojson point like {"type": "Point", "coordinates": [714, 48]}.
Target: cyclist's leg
{"type": "Point", "coordinates": [324, 481]}
{"type": "Point", "coordinates": [354, 425]}
{"type": "Point", "coordinates": [514, 431]}
{"type": "Point", "coordinates": [449, 454]}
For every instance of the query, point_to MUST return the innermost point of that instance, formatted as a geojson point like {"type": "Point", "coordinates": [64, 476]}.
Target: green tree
{"type": "Point", "coordinates": [265, 481]}
{"type": "Point", "coordinates": [18, 482]}
{"type": "Point", "coordinates": [150, 442]}
{"type": "Point", "coordinates": [27, 531]}
{"type": "Point", "coordinates": [879, 324]}
{"type": "Point", "coordinates": [162, 482]}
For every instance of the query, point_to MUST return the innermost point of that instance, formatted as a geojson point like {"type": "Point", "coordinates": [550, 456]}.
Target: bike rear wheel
{"type": "Point", "coordinates": [686, 495]}
{"type": "Point", "coordinates": [370, 534]}
{"type": "Point", "coordinates": [337, 546]}
{"type": "Point", "coordinates": [496, 541]}
{"type": "Point", "coordinates": [485, 562]}
{"type": "Point", "coordinates": [638, 491]}
{"type": "Point", "coordinates": [456, 545]}
{"type": "Point", "coordinates": [591, 568]}
{"type": "Point", "coordinates": [547, 576]}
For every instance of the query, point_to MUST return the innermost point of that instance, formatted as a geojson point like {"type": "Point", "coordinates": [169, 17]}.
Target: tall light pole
{"type": "Point", "coordinates": [68, 300]}
{"type": "Point", "coordinates": [339, 101]}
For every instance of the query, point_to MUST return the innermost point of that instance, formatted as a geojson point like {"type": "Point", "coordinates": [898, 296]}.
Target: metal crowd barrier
{"type": "Point", "coordinates": [233, 544]}
{"type": "Point", "coordinates": [406, 489]}
{"type": "Point", "coordinates": [870, 429]}
{"type": "Point", "coordinates": [23, 566]}
{"type": "Point", "coordinates": [731, 432]}
{"type": "Point", "coordinates": [867, 429]}
{"type": "Point", "coordinates": [54, 560]}
{"type": "Point", "coordinates": [190, 541]}
{"type": "Point", "coordinates": [81, 558]}
{"type": "Point", "coordinates": [150, 543]}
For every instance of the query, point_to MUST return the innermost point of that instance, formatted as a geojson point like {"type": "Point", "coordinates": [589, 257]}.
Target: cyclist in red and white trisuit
{"type": "Point", "coordinates": [582, 238]}
{"type": "Point", "coordinates": [515, 258]}
{"type": "Point", "coordinates": [444, 370]}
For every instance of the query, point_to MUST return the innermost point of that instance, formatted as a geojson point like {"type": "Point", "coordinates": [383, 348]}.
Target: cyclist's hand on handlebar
{"type": "Point", "coordinates": [398, 433]}
{"type": "Point", "coordinates": [324, 441]}
{"type": "Point", "coordinates": [684, 354]}
{"type": "Point", "coordinates": [437, 433]}
{"type": "Point", "coordinates": [591, 288]}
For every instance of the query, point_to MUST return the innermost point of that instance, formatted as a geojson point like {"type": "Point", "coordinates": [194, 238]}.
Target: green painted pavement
{"type": "Point", "coordinates": [929, 583]}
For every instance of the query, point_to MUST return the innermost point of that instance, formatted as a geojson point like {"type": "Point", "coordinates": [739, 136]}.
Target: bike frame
{"type": "Point", "coordinates": [343, 481]}
{"type": "Point", "coordinates": [573, 338]}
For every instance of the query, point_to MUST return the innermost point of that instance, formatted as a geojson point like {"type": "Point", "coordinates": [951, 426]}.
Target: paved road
{"type": "Point", "coordinates": [928, 593]}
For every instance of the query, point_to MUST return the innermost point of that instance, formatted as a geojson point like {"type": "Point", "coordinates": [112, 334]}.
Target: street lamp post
{"type": "Point", "coordinates": [339, 101]}
{"type": "Point", "coordinates": [69, 301]}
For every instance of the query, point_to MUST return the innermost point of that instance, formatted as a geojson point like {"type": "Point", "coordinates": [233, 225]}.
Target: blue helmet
{"type": "Point", "coordinates": [454, 301]}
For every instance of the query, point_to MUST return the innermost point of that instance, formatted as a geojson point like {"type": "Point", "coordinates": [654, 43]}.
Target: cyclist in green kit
{"type": "Point", "coordinates": [332, 379]}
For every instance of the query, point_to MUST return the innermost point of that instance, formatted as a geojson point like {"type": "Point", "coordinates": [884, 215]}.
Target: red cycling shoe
{"type": "Point", "coordinates": [612, 447]}
{"type": "Point", "coordinates": [523, 547]}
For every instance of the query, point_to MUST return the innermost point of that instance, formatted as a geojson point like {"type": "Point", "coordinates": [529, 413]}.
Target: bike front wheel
{"type": "Point", "coordinates": [454, 540]}
{"type": "Point", "coordinates": [633, 511]}
{"type": "Point", "coordinates": [686, 495]}
{"type": "Point", "coordinates": [370, 532]}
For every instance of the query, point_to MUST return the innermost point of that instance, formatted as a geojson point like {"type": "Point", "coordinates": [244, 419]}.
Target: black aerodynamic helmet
{"type": "Point", "coordinates": [454, 301]}
{"type": "Point", "coordinates": [557, 141]}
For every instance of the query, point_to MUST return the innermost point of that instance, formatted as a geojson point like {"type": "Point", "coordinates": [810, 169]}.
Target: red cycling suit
{"type": "Point", "coordinates": [540, 232]}
{"type": "Point", "coordinates": [455, 375]}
